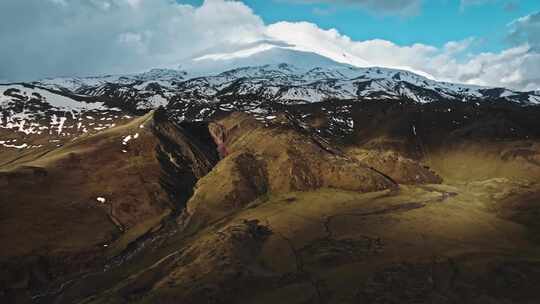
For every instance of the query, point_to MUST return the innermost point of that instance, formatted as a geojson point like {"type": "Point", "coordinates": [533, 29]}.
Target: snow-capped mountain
{"type": "Point", "coordinates": [72, 84]}
{"type": "Point", "coordinates": [258, 79]}
{"type": "Point", "coordinates": [269, 71]}
{"type": "Point", "coordinates": [289, 83]}
{"type": "Point", "coordinates": [253, 55]}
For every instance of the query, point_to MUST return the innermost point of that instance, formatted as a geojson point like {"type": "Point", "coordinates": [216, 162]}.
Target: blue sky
{"type": "Point", "coordinates": [435, 23]}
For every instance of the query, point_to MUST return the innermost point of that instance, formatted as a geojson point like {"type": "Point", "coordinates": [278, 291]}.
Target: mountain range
{"type": "Point", "coordinates": [268, 174]}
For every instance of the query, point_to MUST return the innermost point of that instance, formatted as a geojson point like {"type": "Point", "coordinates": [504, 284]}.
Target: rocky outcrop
{"type": "Point", "coordinates": [275, 160]}
{"type": "Point", "coordinates": [401, 169]}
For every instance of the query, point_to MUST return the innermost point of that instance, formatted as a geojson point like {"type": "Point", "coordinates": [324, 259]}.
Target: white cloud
{"type": "Point", "coordinates": [308, 37]}
{"type": "Point", "coordinates": [455, 47]}
{"type": "Point", "coordinates": [515, 67]}
{"type": "Point", "coordinates": [526, 30]}
{"type": "Point", "coordinates": [82, 37]}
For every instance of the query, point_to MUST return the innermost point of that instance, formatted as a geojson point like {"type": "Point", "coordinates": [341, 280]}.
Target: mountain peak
{"type": "Point", "coordinates": [257, 54]}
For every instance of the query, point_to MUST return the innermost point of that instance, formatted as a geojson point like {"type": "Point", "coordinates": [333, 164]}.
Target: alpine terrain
{"type": "Point", "coordinates": [268, 175]}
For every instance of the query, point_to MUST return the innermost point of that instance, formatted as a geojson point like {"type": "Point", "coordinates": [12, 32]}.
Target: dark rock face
{"type": "Point", "coordinates": [186, 153]}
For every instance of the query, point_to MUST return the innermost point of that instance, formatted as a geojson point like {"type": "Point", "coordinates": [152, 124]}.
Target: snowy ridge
{"type": "Point", "coordinates": [11, 93]}
{"type": "Point", "coordinates": [288, 83]}
{"type": "Point", "coordinates": [270, 71]}
{"type": "Point", "coordinates": [27, 112]}
{"type": "Point", "coordinates": [165, 77]}
{"type": "Point", "coordinates": [259, 81]}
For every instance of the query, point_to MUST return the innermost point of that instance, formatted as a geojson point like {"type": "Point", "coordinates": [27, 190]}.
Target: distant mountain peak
{"type": "Point", "coordinates": [264, 53]}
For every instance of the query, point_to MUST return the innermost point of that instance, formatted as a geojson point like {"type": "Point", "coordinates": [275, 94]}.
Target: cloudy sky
{"type": "Point", "coordinates": [486, 42]}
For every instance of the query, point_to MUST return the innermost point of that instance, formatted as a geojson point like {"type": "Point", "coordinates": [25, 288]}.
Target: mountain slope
{"type": "Point", "coordinates": [92, 197]}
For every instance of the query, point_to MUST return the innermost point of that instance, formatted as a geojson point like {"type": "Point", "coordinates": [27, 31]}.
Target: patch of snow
{"type": "Point", "coordinates": [58, 121]}
{"type": "Point", "coordinates": [126, 139]}
{"type": "Point", "coordinates": [5, 144]}
{"type": "Point", "coordinates": [55, 100]}
{"type": "Point", "coordinates": [157, 100]}
{"type": "Point", "coordinates": [534, 99]}
{"type": "Point", "coordinates": [507, 93]}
